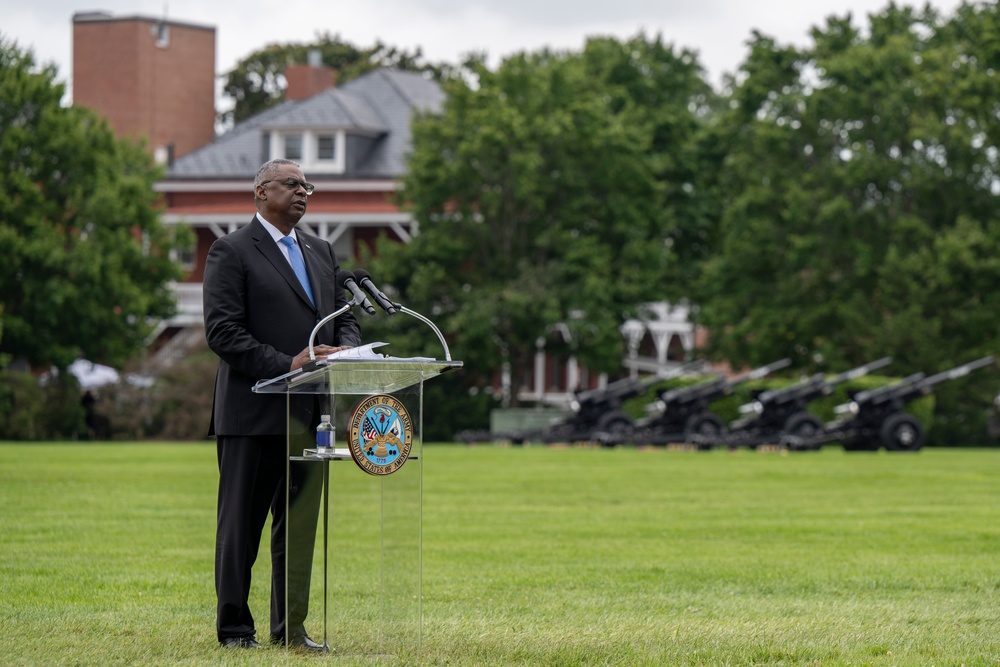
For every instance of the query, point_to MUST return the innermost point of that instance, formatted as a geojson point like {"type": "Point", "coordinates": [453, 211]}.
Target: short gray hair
{"type": "Point", "coordinates": [268, 171]}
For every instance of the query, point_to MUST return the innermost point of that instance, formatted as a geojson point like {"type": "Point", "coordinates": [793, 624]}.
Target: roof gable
{"type": "Point", "coordinates": [378, 105]}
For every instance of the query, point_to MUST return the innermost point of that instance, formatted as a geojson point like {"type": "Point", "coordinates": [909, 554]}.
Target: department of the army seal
{"type": "Point", "coordinates": [381, 434]}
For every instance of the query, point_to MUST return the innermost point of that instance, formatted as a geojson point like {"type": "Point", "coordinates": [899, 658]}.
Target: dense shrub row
{"type": "Point", "coordinates": [177, 405]}
{"type": "Point", "coordinates": [33, 410]}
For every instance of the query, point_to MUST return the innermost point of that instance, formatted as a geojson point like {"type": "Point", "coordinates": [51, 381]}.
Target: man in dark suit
{"type": "Point", "coordinates": [258, 319]}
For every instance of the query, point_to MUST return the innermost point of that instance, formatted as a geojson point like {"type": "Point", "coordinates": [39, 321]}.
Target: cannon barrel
{"type": "Point", "coordinates": [911, 387]}
{"type": "Point", "coordinates": [814, 385]}
{"type": "Point", "coordinates": [628, 387]}
{"type": "Point", "coordinates": [888, 392]}
{"type": "Point", "coordinates": [956, 372]}
{"type": "Point", "coordinates": [719, 386]}
{"type": "Point", "coordinates": [616, 388]}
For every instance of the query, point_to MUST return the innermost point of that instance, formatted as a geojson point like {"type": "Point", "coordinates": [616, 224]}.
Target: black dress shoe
{"type": "Point", "coordinates": [239, 642]}
{"type": "Point", "coordinates": [305, 643]}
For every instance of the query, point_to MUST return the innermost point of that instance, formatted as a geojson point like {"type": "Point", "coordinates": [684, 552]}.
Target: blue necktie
{"type": "Point", "coordinates": [298, 266]}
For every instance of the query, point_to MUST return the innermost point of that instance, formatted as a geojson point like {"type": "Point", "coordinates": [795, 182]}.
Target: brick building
{"type": "Point", "coordinates": [152, 79]}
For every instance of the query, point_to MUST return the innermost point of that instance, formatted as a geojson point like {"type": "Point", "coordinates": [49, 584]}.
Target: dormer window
{"type": "Point", "coordinates": [318, 151]}
{"type": "Point", "coordinates": [326, 147]}
{"type": "Point", "coordinates": [293, 147]}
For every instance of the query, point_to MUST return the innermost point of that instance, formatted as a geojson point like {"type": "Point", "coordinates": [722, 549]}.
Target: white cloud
{"type": "Point", "coordinates": [446, 30]}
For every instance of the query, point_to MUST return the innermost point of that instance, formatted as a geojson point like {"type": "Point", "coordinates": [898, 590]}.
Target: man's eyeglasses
{"type": "Point", "coordinates": [293, 184]}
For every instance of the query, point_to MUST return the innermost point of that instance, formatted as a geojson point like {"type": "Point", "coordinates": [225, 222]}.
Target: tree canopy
{"type": "Point", "coordinates": [549, 195]}
{"type": "Point", "coordinates": [86, 266]}
{"type": "Point", "coordinates": [257, 82]}
{"type": "Point", "coordinates": [861, 183]}
{"type": "Point", "coordinates": [861, 186]}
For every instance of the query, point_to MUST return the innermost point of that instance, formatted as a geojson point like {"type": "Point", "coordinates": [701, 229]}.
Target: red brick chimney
{"type": "Point", "coordinates": [304, 81]}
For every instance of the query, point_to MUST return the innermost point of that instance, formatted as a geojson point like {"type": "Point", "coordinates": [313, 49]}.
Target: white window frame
{"type": "Point", "coordinates": [336, 136]}
{"type": "Point", "coordinates": [285, 136]}
{"type": "Point", "coordinates": [310, 149]}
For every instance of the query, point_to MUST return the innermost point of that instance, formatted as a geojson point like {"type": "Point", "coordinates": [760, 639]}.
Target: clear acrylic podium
{"type": "Point", "coordinates": [353, 559]}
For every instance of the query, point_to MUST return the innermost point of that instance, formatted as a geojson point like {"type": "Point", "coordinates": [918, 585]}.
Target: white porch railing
{"type": "Point", "coordinates": [189, 305]}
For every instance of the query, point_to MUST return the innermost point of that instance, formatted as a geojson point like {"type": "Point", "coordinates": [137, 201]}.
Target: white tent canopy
{"type": "Point", "coordinates": [93, 375]}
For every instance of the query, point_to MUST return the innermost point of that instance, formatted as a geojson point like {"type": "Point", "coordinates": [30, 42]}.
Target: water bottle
{"type": "Point", "coordinates": [324, 434]}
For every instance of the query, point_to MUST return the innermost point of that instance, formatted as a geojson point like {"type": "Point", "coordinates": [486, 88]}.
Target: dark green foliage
{"type": "Point", "coordinates": [85, 268]}
{"type": "Point", "coordinates": [30, 410]}
{"type": "Point", "coordinates": [548, 202]}
{"type": "Point", "coordinates": [861, 187]}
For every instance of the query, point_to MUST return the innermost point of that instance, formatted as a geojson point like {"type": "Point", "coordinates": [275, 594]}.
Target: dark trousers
{"type": "Point", "coordinates": [252, 482]}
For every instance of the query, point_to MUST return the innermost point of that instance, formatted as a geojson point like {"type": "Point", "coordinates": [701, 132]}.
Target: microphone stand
{"type": "Point", "coordinates": [401, 308]}
{"type": "Point", "coordinates": [319, 325]}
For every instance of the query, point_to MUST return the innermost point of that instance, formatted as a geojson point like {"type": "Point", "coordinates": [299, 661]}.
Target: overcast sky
{"type": "Point", "coordinates": [448, 29]}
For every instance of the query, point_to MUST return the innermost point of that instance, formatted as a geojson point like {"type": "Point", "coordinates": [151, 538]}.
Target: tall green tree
{"type": "Point", "coordinates": [862, 183]}
{"type": "Point", "coordinates": [85, 265]}
{"type": "Point", "coordinates": [549, 195]}
{"type": "Point", "coordinates": [257, 82]}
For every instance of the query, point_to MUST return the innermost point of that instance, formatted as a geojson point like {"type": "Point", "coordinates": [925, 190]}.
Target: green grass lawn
{"type": "Point", "coordinates": [539, 556]}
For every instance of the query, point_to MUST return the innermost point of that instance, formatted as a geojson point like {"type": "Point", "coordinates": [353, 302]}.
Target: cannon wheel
{"type": "Point", "coordinates": [614, 428]}
{"type": "Point", "coordinates": [708, 428]}
{"type": "Point", "coordinates": [803, 426]}
{"type": "Point", "coordinates": [902, 432]}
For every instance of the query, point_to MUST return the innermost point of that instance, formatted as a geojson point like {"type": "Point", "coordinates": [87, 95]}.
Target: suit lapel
{"type": "Point", "coordinates": [268, 248]}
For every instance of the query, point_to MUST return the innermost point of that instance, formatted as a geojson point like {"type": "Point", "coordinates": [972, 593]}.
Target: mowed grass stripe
{"type": "Point", "coordinates": [539, 556]}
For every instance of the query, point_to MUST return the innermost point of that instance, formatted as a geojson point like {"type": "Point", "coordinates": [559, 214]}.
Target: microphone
{"type": "Point", "coordinates": [345, 280]}
{"type": "Point", "coordinates": [381, 299]}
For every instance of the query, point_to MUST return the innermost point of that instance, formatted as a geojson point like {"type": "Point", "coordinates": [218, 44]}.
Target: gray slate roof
{"type": "Point", "coordinates": [379, 104]}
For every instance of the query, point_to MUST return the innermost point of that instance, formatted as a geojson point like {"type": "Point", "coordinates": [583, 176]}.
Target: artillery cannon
{"type": "Point", "coordinates": [779, 412]}
{"type": "Point", "coordinates": [683, 414]}
{"type": "Point", "coordinates": [877, 417]}
{"type": "Point", "coordinates": [597, 414]}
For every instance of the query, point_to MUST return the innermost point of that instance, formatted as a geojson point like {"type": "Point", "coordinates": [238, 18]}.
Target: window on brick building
{"type": "Point", "coordinates": [326, 147]}
{"type": "Point", "coordinates": [162, 35]}
{"type": "Point", "coordinates": [293, 147]}
{"type": "Point", "coordinates": [320, 150]}
{"type": "Point", "coordinates": [265, 147]}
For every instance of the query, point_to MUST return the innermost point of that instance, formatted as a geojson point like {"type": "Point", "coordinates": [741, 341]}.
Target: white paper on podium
{"type": "Point", "coordinates": [368, 352]}
{"type": "Point", "coordinates": [359, 352]}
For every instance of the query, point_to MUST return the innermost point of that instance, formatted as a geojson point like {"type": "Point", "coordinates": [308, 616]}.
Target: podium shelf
{"type": "Point", "coordinates": [356, 376]}
{"type": "Point", "coordinates": [337, 454]}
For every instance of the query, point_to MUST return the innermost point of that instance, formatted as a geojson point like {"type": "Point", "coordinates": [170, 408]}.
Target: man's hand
{"type": "Point", "coordinates": [321, 352]}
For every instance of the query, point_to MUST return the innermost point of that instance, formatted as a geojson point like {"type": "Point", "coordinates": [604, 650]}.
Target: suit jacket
{"type": "Point", "coordinates": [258, 317]}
